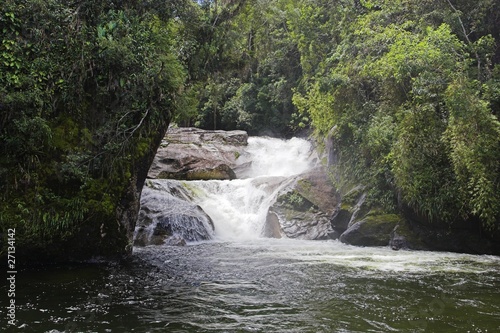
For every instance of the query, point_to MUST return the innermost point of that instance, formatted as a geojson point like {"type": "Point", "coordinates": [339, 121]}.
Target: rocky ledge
{"type": "Point", "coordinates": [304, 208]}
{"type": "Point", "coordinates": [195, 154]}
{"type": "Point", "coordinates": [168, 217]}
{"type": "Point", "coordinates": [360, 224]}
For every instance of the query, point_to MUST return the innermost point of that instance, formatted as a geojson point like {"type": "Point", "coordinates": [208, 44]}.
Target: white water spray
{"type": "Point", "coordinates": [239, 207]}
{"type": "Point", "coordinates": [281, 158]}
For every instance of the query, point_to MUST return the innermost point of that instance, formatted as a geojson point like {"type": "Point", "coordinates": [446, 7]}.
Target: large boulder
{"type": "Point", "coordinates": [372, 230]}
{"type": "Point", "coordinates": [304, 208]}
{"type": "Point", "coordinates": [167, 217]}
{"type": "Point", "coordinates": [350, 210]}
{"type": "Point", "coordinates": [196, 154]}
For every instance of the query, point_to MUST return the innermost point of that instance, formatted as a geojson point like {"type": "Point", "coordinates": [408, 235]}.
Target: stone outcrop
{"type": "Point", "coordinates": [372, 230]}
{"type": "Point", "coordinates": [195, 154]}
{"type": "Point", "coordinates": [416, 235]}
{"type": "Point", "coordinates": [167, 217]}
{"type": "Point", "coordinates": [304, 208]}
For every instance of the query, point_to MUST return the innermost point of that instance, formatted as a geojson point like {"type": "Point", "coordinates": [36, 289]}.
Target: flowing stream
{"type": "Point", "coordinates": [240, 282]}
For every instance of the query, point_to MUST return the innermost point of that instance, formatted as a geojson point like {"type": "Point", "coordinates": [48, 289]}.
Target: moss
{"type": "Point", "coordinates": [293, 200]}
{"type": "Point", "coordinates": [193, 191]}
{"type": "Point", "coordinates": [305, 185]}
{"type": "Point", "coordinates": [373, 230]}
{"type": "Point", "coordinates": [346, 206]}
{"type": "Point", "coordinates": [305, 189]}
{"type": "Point", "coordinates": [207, 175]}
{"type": "Point", "coordinates": [352, 196]}
{"type": "Point", "coordinates": [222, 172]}
{"type": "Point", "coordinates": [376, 217]}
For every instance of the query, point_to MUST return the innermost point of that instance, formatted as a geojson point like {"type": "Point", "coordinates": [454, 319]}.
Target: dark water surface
{"type": "Point", "coordinates": [264, 286]}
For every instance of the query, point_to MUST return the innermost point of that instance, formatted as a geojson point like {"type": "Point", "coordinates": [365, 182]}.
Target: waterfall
{"type": "Point", "coordinates": [276, 157]}
{"type": "Point", "coordinates": [238, 207]}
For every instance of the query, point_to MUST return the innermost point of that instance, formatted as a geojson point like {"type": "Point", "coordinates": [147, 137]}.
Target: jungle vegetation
{"type": "Point", "coordinates": [408, 90]}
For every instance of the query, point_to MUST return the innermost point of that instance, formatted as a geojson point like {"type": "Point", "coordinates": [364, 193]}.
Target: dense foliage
{"type": "Point", "coordinates": [86, 89]}
{"type": "Point", "coordinates": [409, 91]}
{"type": "Point", "coordinates": [246, 67]}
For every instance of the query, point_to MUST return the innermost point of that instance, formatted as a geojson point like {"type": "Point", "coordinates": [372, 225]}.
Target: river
{"type": "Point", "coordinates": [240, 282]}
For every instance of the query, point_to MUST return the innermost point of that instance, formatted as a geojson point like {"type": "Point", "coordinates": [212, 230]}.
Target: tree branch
{"type": "Point", "coordinates": [466, 35]}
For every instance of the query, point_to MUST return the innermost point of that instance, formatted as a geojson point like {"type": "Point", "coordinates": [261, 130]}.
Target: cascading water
{"type": "Point", "coordinates": [238, 207]}
{"type": "Point", "coordinates": [279, 158]}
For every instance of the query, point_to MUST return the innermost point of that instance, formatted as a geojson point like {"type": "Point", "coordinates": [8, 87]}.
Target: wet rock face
{"type": "Point", "coordinates": [304, 208]}
{"type": "Point", "coordinates": [166, 217]}
{"type": "Point", "coordinates": [195, 154]}
{"type": "Point", "coordinates": [373, 230]}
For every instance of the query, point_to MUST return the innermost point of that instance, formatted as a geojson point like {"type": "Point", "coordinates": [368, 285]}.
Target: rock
{"type": "Point", "coordinates": [166, 217]}
{"type": "Point", "coordinates": [398, 241]}
{"type": "Point", "coordinates": [272, 228]}
{"type": "Point", "coordinates": [404, 238]}
{"type": "Point", "coordinates": [340, 220]}
{"type": "Point", "coordinates": [373, 230]}
{"type": "Point", "coordinates": [419, 235]}
{"type": "Point", "coordinates": [195, 154]}
{"type": "Point", "coordinates": [175, 241]}
{"type": "Point", "coordinates": [304, 208]}
{"type": "Point", "coordinates": [351, 208]}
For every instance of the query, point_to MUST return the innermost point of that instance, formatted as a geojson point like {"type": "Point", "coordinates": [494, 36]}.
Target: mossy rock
{"type": "Point", "coordinates": [315, 187]}
{"type": "Point", "coordinates": [221, 172]}
{"type": "Point", "coordinates": [373, 230]}
{"type": "Point", "coordinates": [404, 238]}
{"type": "Point", "coordinates": [295, 201]}
{"type": "Point", "coordinates": [352, 196]}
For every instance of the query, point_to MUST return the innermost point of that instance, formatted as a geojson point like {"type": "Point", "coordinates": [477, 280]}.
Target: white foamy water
{"type": "Point", "coordinates": [239, 207]}
{"type": "Point", "coordinates": [276, 157]}
{"type": "Point", "coordinates": [369, 260]}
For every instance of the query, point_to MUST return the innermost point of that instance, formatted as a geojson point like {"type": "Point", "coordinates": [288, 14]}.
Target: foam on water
{"type": "Point", "coordinates": [370, 260]}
